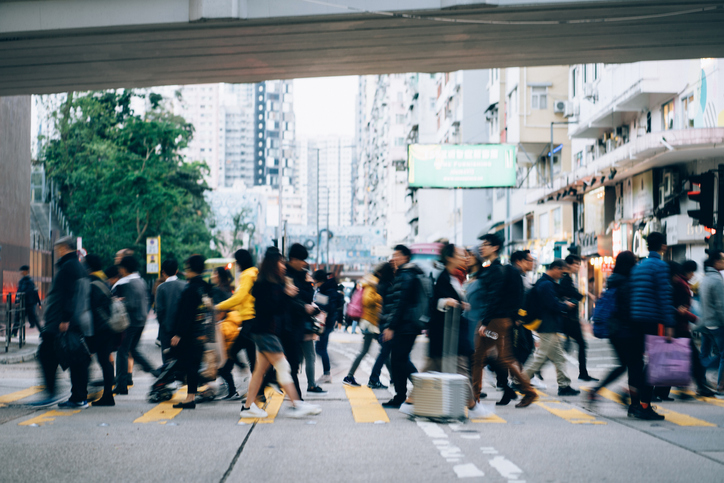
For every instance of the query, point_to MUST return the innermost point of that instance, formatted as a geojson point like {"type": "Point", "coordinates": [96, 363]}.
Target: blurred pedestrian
{"type": "Point", "coordinates": [711, 293]}
{"type": "Point", "coordinates": [328, 300]}
{"type": "Point", "coordinates": [132, 290]}
{"type": "Point", "coordinates": [236, 326]}
{"type": "Point", "coordinates": [272, 296]}
{"type": "Point", "coordinates": [26, 286]}
{"type": "Point", "coordinates": [168, 295]}
{"type": "Point", "coordinates": [385, 276]}
{"type": "Point", "coordinates": [571, 323]}
{"type": "Point", "coordinates": [190, 330]}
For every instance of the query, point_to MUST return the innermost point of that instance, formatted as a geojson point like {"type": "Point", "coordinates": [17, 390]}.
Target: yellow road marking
{"type": "Point", "coordinates": [671, 416]}
{"type": "Point", "coordinates": [710, 400]}
{"type": "Point", "coordinates": [48, 417]}
{"type": "Point", "coordinates": [563, 411]}
{"type": "Point", "coordinates": [493, 418]}
{"type": "Point", "coordinates": [164, 411]}
{"type": "Point", "coordinates": [365, 406]}
{"type": "Point", "coordinates": [274, 403]}
{"type": "Point", "coordinates": [15, 396]}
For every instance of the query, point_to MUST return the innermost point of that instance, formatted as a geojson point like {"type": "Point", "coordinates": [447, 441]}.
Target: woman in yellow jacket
{"type": "Point", "coordinates": [237, 324]}
{"type": "Point", "coordinates": [369, 322]}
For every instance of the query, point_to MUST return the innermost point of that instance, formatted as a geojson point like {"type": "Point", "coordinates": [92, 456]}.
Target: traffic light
{"type": "Point", "coordinates": [705, 197]}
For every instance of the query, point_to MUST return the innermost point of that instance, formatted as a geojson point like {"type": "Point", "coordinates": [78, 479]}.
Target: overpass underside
{"type": "Point", "coordinates": [48, 56]}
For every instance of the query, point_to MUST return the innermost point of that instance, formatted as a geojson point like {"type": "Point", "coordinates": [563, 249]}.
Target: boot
{"type": "Point", "coordinates": [508, 395]}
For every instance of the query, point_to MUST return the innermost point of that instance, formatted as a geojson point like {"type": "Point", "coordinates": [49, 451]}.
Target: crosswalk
{"type": "Point", "coordinates": [365, 408]}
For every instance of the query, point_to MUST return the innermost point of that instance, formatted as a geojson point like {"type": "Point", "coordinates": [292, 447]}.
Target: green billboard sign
{"type": "Point", "coordinates": [461, 165]}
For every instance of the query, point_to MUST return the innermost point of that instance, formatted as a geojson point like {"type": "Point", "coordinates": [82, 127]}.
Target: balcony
{"type": "Point", "coordinates": [652, 150]}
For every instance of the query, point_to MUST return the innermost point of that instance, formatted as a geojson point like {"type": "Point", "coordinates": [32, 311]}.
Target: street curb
{"type": "Point", "coordinates": [25, 355]}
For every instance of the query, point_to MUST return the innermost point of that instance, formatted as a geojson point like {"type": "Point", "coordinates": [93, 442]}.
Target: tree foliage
{"type": "Point", "coordinates": [122, 176]}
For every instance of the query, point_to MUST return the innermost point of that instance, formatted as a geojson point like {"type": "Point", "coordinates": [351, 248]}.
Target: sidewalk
{"type": "Point", "coordinates": [26, 354]}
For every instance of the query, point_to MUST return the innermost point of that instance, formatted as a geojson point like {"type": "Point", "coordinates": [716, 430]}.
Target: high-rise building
{"type": "Point", "coordinates": [274, 133]}
{"type": "Point", "coordinates": [329, 181]}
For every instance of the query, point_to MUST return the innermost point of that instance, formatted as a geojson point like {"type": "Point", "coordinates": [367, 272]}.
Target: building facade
{"type": "Point", "coordinates": [274, 133]}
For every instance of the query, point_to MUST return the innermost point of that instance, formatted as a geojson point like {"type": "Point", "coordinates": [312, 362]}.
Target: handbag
{"type": "Point", "coordinates": [71, 349]}
{"type": "Point", "coordinates": [669, 363]}
{"type": "Point", "coordinates": [315, 324]}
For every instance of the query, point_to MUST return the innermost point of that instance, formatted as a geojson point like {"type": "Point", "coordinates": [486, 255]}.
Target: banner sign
{"type": "Point", "coordinates": [153, 255]}
{"type": "Point", "coordinates": [461, 165]}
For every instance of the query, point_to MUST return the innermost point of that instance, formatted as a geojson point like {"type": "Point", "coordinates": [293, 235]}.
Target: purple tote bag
{"type": "Point", "coordinates": [669, 363]}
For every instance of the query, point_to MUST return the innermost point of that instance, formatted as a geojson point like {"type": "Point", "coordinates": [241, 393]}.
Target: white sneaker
{"type": "Point", "coordinates": [537, 383]}
{"type": "Point", "coordinates": [302, 409]}
{"type": "Point", "coordinates": [253, 411]}
{"type": "Point", "coordinates": [325, 379]}
{"type": "Point", "coordinates": [479, 411]}
{"type": "Point", "coordinates": [408, 409]}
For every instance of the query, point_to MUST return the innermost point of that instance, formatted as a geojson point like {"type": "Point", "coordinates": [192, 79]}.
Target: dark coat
{"type": "Point", "coordinates": [567, 290]}
{"type": "Point", "coordinates": [188, 325]}
{"type": "Point", "coordinates": [551, 308]}
{"type": "Point", "coordinates": [401, 302]}
{"type": "Point", "coordinates": [500, 292]}
{"type": "Point", "coordinates": [651, 294]}
{"type": "Point", "coordinates": [297, 315]}
{"type": "Point", "coordinates": [59, 304]}
{"type": "Point", "coordinates": [436, 328]}
{"type": "Point", "coordinates": [27, 286]}
{"type": "Point", "coordinates": [681, 296]}
{"type": "Point", "coordinates": [134, 293]}
{"type": "Point", "coordinates": [168, 295]}
{"type": "Point", "coordinates": [270, 305]}
{"type": "Point", "coordinates": [620, 323]}
{"type": "Point", "coordinates": [329, 290]}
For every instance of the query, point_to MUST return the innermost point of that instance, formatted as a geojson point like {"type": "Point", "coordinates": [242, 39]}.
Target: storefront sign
{"type": "Point", "coordinates": [639, 245]}
{"type": "Point", "coordinates": [680, 230]}
{"type": "Point", "coordinates": [593, 244]}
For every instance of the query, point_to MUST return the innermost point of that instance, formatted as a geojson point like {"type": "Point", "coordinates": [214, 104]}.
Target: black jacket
{"type": "Point", "coordinates": [188, 324]}
{"type": "Point", "coordinates": [568, 290]}
{"type": "Point", "coordinates": [27, 287]}
{"type": "Point", "coordinates": [329, 289]}
{"type": "Point", "coordinates": [551, 307]}
{"type": "Point", "coordinates": [502, 292]}
{"type": "Point", "coordinates": [59, 304]}
{"type": "Point", "coordinates": [401, 301]}
{"type": "Point", "coordinates": [270, 305]}
{"type": "Point", "coordinates": [436, 328]}
{"type": "Point", "coordinates": [297, 315]}
{"type": "Point", "coordinates": [100, 304]}
{"type": "Point", "coordinates": [620, 323]}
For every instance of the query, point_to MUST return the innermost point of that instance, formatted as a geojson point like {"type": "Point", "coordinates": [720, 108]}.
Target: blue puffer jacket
{"type": "Point", "coordinates": [651, 294]}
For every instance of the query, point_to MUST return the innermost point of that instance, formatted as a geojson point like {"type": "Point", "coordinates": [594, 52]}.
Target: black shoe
{"type": "Point", "coordinates": [647, 414]}
{"type": "Point", "coordinates": [123, 391]}
{"type": "Point", "coordinates": [350, 381]}
{"type": "Point", "coordinates": [104, 401]}
{"type": "Point", "coordinates": [376, 385]}
{"type": "Point", "coordinates": [508, 395]}
{"type": "Point", "coordinates": [316, 389]}
{"type": "Point", "coordinates": [568, 391]}
{"type": "Point", "coordinates": [540, 376]}
{"type": "Point", "coordinates": [705, 392]}
{"type": "Point", "coordinates": [393, 403]}
{"type": "Point", "coordinates": [261, 398]}
{"type": "Point", "coordinates": [156, 373]}
{"type": "Point", "coordinates": [656, 399]}
{"type": "Point", "coordinates": [483, 395]}
{"type": "Point", "coordinates": [185, 405]}
{"type": "Point", "coordinates": [587, 378]}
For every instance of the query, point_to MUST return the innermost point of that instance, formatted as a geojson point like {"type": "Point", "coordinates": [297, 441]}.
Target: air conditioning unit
{"type": "Point", "coordinates": [571, 109]}
{"type": "Point", "coordinates": [559, 107]}
{"type": "Point", "coordinates": [589, 92]}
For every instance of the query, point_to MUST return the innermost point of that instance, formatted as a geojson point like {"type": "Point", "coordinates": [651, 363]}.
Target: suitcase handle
{"type": "Point", "coordinates": [450, 340]}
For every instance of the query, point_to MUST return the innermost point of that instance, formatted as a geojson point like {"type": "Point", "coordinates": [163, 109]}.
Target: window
{"type": "Point", "coordinates": [579, 159]}
{"type": "Point", "coordinates": [400, 118]}
{"type": "Point", "coordinates": [574, 79]}
{"type": "Point", "coordinates": [668, 113]}
{"type": "Point", "coordinates": [543, 228]}
{"type": "Point", "coordinates": [539, 98]}
{"type": "Point", "coordinates": [689, 111]}
{"type": "Point", "coordinates": [399, 141]}
{"type": "Point", "coordinates": [557, 221]}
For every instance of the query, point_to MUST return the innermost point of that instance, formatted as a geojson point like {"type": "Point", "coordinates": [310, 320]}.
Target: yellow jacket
{"type": "Point", "coordinates": [240, 306]}
{"type": "Point", "coordinates": [371, 300]}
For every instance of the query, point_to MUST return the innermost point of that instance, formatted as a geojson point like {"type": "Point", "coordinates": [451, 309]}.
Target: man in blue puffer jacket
{"type": "Point", "coordinates": [651, 305]}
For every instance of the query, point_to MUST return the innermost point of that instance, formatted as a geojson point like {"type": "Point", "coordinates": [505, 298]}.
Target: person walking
{"type": "Point", "coordinates": [545, 293]}
{"type": "Point", "coordinates": [104, 340]}
{"type": "Point", "coordinates": [26, 286]}
{"type": "Point", "coordinates": [297, 339]}
{"type": "Point", "coordinates": [237, 325]}
{"type": "Point", "coordinates": [651, 306]}
{"type": "Point", "coordinates": [571, 324]}
{"type": "Point", "coordinates": [132, 290]}
{"type": "Point", "coordinates": [711, 293]}
{"type": "Point", "coordinates": [503, 292]}
{"type": "Point", "coordinates": [61, 316]}
{"type": "Point", "coordinates": [328, 300]}
{"type": "Point", "coordinates": [168, 295]}
{"type": "Point", "coordinates": [621, 331]}
{"type": "Point", "coordinates": [369, 321]}
{"type": "Point", "coordinates": [191, 326]}
{"type": "Point", "coordinates": [403, 325]}
{"type": "Point", "coordinates": [272, 296]}
{"type": "Point", "coordinates": [385, 277]}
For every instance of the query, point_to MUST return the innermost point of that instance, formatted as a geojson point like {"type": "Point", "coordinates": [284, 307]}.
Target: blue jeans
{"type": "Point", "coordinates": [321, 348]}
{"type": "Point", "coordinates": [715, 337]}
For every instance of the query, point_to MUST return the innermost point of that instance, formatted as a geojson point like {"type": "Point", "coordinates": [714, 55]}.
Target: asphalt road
{"type": "Point", "coordinates": [354, 439]}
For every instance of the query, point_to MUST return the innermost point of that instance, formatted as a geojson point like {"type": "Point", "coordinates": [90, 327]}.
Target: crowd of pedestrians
{"type": "Point", "coordinates": [282, 315]}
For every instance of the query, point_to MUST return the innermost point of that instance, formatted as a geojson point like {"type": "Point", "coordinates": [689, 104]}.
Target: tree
{"type": "Point", "coordinates": [242, 224]}
{"type": "Point", "coordinates": [122, 177]}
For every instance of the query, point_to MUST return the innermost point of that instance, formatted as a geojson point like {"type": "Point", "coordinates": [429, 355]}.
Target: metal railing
{"type": "Point", "coordinates": [13, 319]}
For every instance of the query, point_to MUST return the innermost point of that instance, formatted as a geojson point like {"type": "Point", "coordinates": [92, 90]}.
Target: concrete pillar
{"type": "Point", "coordinates": [15, 160]}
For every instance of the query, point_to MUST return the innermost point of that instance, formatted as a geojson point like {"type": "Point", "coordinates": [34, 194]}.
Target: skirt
{"type": "Point", "coordinates": [267, 343]}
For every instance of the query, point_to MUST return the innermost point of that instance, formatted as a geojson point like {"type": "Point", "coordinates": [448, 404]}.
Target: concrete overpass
{"type": "Point", "coordinates": [62, 45]}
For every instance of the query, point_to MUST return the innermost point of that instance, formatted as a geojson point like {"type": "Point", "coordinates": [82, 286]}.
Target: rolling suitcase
{"type": "Point", "coordinates": [443, 395]}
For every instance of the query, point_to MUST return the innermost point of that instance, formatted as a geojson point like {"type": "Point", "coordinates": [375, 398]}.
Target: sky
{"type": "Point", "coordinates": [325, 106]}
